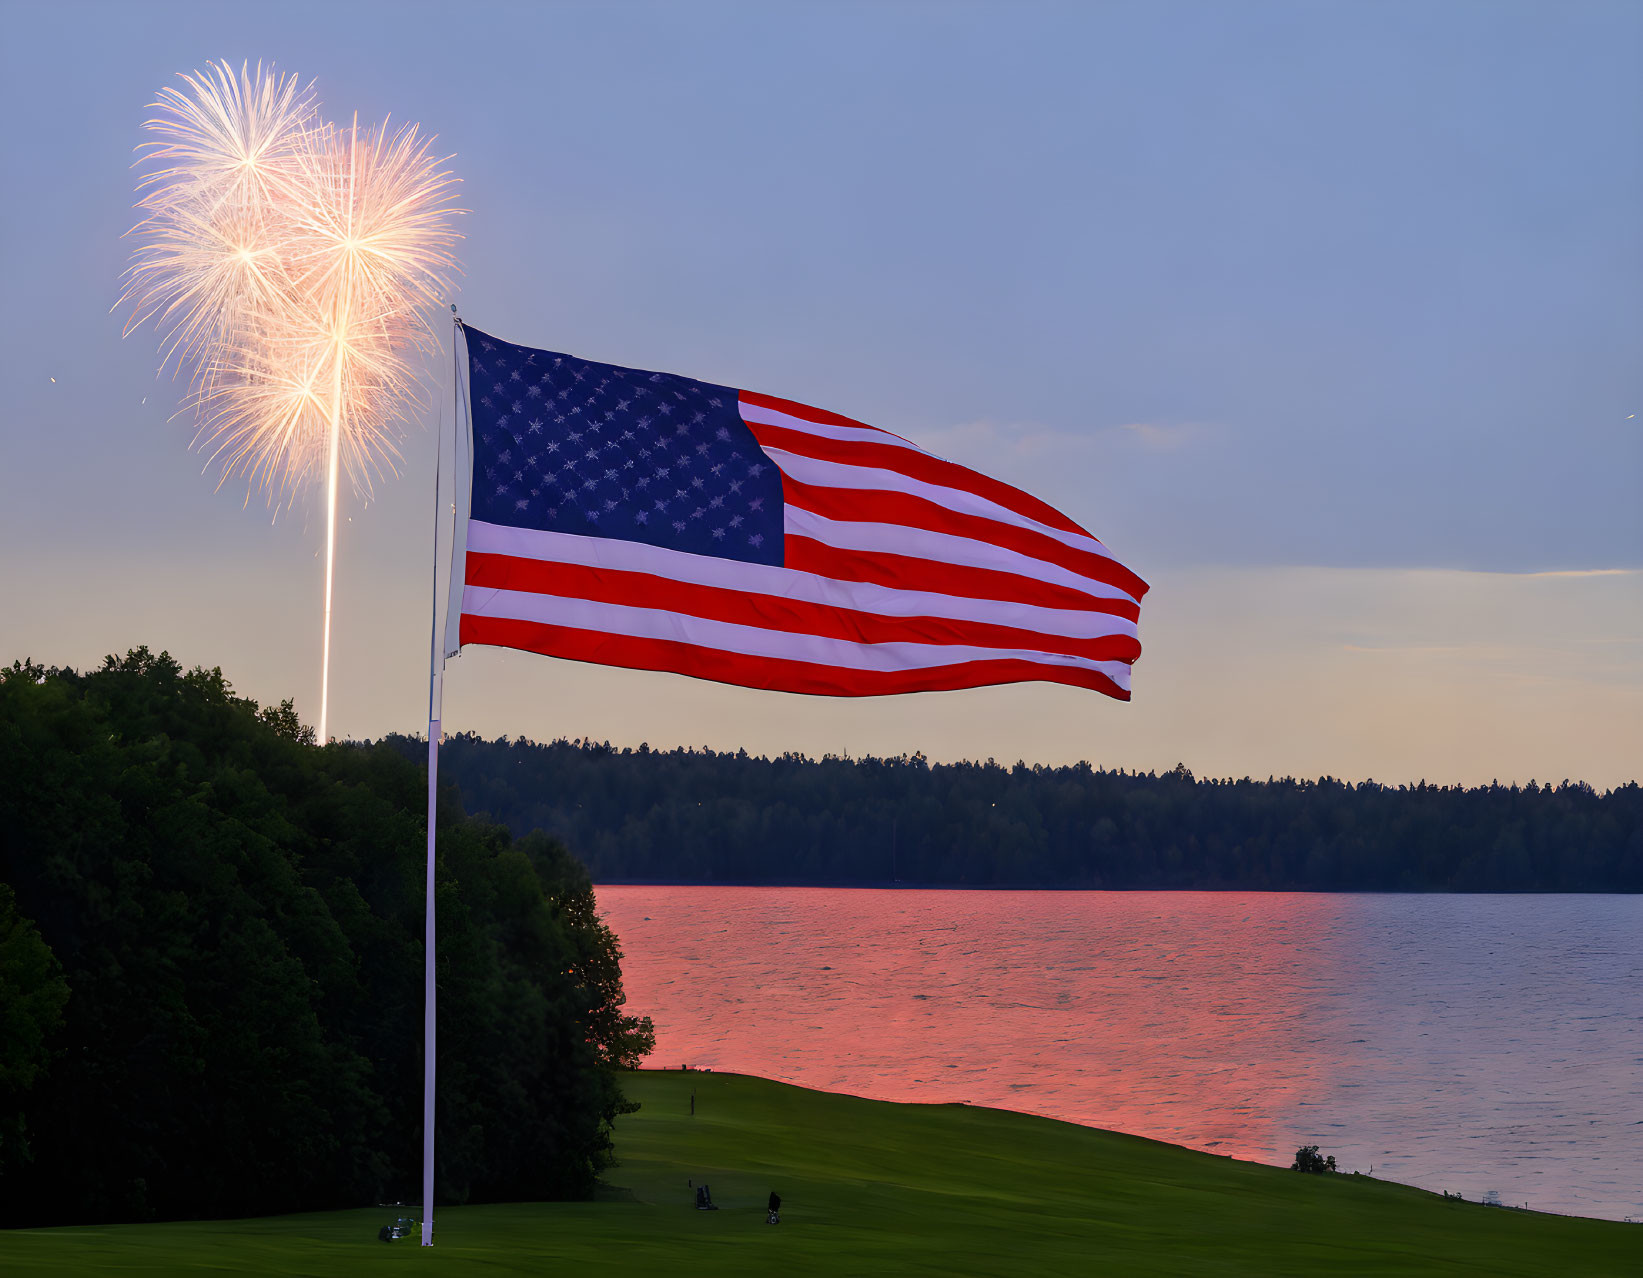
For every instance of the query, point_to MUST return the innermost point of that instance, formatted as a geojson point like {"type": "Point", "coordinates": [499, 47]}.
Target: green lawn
{"type": "Point", "coordinates": [876, 1188]}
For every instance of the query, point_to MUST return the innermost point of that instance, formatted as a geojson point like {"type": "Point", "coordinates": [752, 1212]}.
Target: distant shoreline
{"type": "Point", "coordinates": [696, 816]}
{"type": "Point", "coordinates": [901, 885]}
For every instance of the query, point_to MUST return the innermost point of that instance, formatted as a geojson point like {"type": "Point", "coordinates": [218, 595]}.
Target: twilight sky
{"type": "Point", "coordinates": [1326, 318]}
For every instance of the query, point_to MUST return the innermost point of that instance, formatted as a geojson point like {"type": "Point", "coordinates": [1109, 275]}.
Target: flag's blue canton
{"type": "Point", "coordinates": [567, 445]}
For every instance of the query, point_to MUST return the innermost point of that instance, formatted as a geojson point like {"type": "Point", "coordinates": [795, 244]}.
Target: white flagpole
{"type": "Point", "coordinates": [436, 689]}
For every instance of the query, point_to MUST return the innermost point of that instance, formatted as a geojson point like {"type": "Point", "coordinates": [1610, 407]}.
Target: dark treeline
{"type": "Point", "coordinates": [211, 967]}
{"type": "Point", "coordinates": [701, 816]}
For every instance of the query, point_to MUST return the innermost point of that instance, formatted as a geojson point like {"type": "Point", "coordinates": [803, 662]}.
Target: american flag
{"type": "Point", "coordinates": [656, 522]}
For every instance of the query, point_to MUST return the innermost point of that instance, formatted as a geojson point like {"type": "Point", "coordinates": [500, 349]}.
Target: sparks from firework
{"type": "Point", "coordinates": [289, 265]}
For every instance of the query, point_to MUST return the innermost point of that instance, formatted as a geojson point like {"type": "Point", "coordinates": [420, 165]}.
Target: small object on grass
{"type": "Point", "coordinates": [774, 1218]}
{"type": "Point", "coordinates": [1307, 1159]}
{"type": "Point", "coordinates": [704, 1198]}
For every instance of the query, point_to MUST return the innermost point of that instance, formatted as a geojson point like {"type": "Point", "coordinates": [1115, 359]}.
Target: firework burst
{"type": "Point", "coordinates": [289, 266]}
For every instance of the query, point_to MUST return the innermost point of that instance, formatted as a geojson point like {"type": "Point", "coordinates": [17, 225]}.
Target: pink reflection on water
{"type": "Point", "coordinates": [1473, 1043]}
{"type": "Point", "coordinates": [1205, 1019]}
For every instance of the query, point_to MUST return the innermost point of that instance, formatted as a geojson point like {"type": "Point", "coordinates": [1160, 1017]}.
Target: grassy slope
{"type": "Point", "coordinates": [874, 1188]}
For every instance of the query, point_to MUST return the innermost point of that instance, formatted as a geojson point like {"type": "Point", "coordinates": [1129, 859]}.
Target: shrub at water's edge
{"type": "Point", "coordinates": [216, 944]}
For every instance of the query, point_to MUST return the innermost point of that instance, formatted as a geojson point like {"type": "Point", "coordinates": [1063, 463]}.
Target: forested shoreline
{"type": "Point", "coordinates": [700, 816]}
{"type": "Point", "coordinates": [211, 968]}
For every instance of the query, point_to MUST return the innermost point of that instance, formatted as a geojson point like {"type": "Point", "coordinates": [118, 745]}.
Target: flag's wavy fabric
{"type": "Point", "coordinates": [647, 520]}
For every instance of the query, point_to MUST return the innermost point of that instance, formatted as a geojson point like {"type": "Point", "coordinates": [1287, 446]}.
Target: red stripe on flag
{"type": "Point", "coordinates": [915, 465]}
{"type": "Point", "coordinates": [903, 572]}
{"type": "Point", "coordinates": [886, 506]}
{"type": "Point", "coordinates": [810, 413]}
{"type": "Point", "coordinates": [770, 673]}
{"type": "Point", "coordinates": [771, 612]}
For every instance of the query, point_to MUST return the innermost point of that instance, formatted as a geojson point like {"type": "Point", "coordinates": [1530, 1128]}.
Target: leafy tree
{"type": "Point", "coordinates": [32, 995]}
{"type": "Point", "coordinates": [239, 916]}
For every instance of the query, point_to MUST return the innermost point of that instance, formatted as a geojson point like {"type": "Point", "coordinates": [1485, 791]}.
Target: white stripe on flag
{"type": "Point", "coordinates": [764, 416]}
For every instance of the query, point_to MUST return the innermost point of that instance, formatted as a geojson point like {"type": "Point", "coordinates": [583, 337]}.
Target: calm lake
{"type": "Point", "coordinates": [1478, 1044]}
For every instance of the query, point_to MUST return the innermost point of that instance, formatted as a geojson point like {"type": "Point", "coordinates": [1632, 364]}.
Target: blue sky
{"type": "Point", "coordinates": [1325, 317]}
